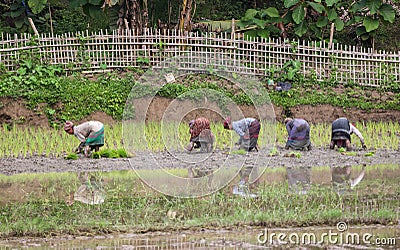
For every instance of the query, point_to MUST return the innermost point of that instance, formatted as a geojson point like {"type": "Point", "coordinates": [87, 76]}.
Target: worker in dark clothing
{"type": "Point", "coordinates": [341, 134]}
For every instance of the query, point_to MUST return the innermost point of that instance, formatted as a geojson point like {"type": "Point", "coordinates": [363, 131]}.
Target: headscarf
{"type": "Point", "coordinates": [227, 122]}
{"type": "Point", "coordinates": [68, 125]}
{"type": "Point", "coordinates": [288, 120]}
{"type": "Point", "coordinates": [191, 123]}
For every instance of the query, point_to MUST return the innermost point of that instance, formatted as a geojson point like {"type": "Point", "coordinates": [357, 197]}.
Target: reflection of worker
{"type": "Point", "coordinates": [299, 134]}
{"type": "Point", "coordinates": [341, 131]}
{"type": "Point", "coordinates": [248, 129]}
{"type": "Point", "coordinates": [341, 178]}
{"type": "Point", "coordinates": [200, 135]}
{"type": "Point", "coordinates": [90, 134]}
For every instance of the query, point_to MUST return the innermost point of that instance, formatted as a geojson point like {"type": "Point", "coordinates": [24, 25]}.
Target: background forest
{"type": "Point", "coordinates": [369, 23]}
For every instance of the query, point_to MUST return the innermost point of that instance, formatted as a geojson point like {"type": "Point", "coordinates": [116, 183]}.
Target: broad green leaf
{"type": "Point", "coordinates": [370, 23]}
{"type": "Point", "coordinates": [17, 13]}
{"type": "Point", "coordinates": [93, 11]}
{"type": "Point", "coordinates": [387, 12]}
{"type": "Point", "coordinates": [358, 6]}
{"type": "Point", "coordinates": [250, 14]}
{"type": "Point", "coordinates": [37, 5]}
{"type": "Point", "coordinates": [243, 24]}
{"type": "Point", "coordinates": [77, 3]}
{"type": "Point", "coordinates": [273, 29]}
{"type": "Point", "coordinates": [339, 24]}
{"type": "Point", "coordinates": [365, 36]}
{"type": "Point", "coordinates": [16, 5]}
{"type": "Point", "coordinates": [263, 33]}
{"type": "Point", "coordinates": [19, 23]}
{"type": "Point", "coordinates": [373, 5]}
{"type": "Point", "coordinates": [322, 21]}
{"type": "Point", "coordinates": [250, 33]}
{"type": "Point", "coordinates": [360, 30]}
{"type": "Point", "coordinates": [301, 29]}
{"type": "Point", "coordinates": [288, 18]}
{"type": "Point", "coordinates": [358, 19]}
{"type": "Point", "coordinates": [317, 31]}
{"type": "Point", "coordinates": [330, 3]}
{"type": "Point", "coordinates": [260, 23]}
{"type": "Point", "coordinates": [298, 14]}
{"type": "Point", "coordinates": [290, 3]}
{"type": "Point", "coordinates": [275, 20]}
{"type": "Point", "coordinates": [317, 7]}
{"type": "Point", "coordinates": [272, 12]}
{"type": "Point", "coordinates": [332, 15]}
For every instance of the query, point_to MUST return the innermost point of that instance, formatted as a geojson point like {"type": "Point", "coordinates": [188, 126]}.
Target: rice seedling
{"type": "Point", "coordinates": [27, 141]}
{"type": "Point", "coordinates": [71, 156]}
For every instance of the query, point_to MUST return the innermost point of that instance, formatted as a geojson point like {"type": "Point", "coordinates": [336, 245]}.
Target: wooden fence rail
{"type": "Point", "coordinates": [260, 57]}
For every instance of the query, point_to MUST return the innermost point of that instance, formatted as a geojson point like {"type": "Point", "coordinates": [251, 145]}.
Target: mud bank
{"type": "Point", "coordinates": [151, 160]}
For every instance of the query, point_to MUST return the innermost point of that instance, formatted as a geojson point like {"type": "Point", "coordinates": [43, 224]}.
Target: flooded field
{"type": "Point", "coordinates": [320, 207]}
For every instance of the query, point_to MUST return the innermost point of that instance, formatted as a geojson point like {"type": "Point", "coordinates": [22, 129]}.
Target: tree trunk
{"type": "Point", "coordinates": [185, 18]}
{"type": "Point", "coordinates": [131, 13]}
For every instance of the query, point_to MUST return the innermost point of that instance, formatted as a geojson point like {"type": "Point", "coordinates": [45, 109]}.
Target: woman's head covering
{"type": "Point", "coordinates": [68, 125]}
{"type": "Point", "coordinates": [227, 122]}
{"type": "Point", "coordinates": [288, 120]}
{"type": "Point", "coordinates": [191, 123]}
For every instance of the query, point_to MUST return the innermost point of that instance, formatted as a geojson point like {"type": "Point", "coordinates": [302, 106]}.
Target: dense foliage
{"type": "Point", "coordinates": [357, 23]}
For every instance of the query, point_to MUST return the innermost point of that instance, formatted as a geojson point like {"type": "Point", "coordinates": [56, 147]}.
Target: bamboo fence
{"type": "Point", "coordinates": [96, 52]}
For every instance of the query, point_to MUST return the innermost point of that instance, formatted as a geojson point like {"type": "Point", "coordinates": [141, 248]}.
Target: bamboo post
{"type": "Point", "coordinates": [331, 35]}
{"type": "Point", "coordinates": [33, 26]}
{"type": "Point", "coordinates": [233, 29]}
{"type": "Point", "coordinates": [126, 24]}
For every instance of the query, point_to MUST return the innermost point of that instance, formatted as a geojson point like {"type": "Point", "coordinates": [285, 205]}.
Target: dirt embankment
{"type": "Point", "coordinates": [14, 111]}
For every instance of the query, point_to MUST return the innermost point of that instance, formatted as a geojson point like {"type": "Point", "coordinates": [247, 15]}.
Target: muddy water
{"type": "Point", "coordinates": [147, 160]}
{"type": "Point", "coordinates": [347, 178]}
{"type": "Point", "coordinates": [370, 237]}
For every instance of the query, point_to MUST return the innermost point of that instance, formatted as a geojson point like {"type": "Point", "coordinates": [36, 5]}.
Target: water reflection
{"type": "Point", "coordinates": [90, 192]}
{"type": "Point", "coordinates": [342, 178]}
{"type": "Point", "coordinates": [299, 179]}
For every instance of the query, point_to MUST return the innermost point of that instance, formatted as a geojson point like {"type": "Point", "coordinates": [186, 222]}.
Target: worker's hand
{"type": "Point", "coordinates": [79, 149]}
{"type": "Point", "coordinates": [246, 137]}
{"type": "Point", "coordinates": [189, 147]}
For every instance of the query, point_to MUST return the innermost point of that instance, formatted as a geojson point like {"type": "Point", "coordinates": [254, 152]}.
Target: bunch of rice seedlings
{"type": "Point", "coordinates": [71, 156]}
{"type": "Point", "coordinates": [110, 153]}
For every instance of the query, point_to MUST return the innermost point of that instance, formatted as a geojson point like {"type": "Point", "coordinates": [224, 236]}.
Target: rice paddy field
{"type": "Point", "coordinates": [47, 200]}
{"type": "Point", "coordinates": [24, 142]}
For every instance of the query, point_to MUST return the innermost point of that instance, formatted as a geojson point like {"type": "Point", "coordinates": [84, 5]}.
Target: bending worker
{"type": "Point", "coordinates": [200, 135]}
{"type": "Point", "coordinates": [248, 129]}
{"type": "Point", "coordinates": [299, 134]}
{"type": "Point", "coordinates": [90, 134]}
{"type": "Point", "coordinates": [341, 132]}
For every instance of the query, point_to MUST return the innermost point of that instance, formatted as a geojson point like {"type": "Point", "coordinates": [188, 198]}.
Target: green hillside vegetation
{"type": "Point", "coordinates": [75, 97]}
